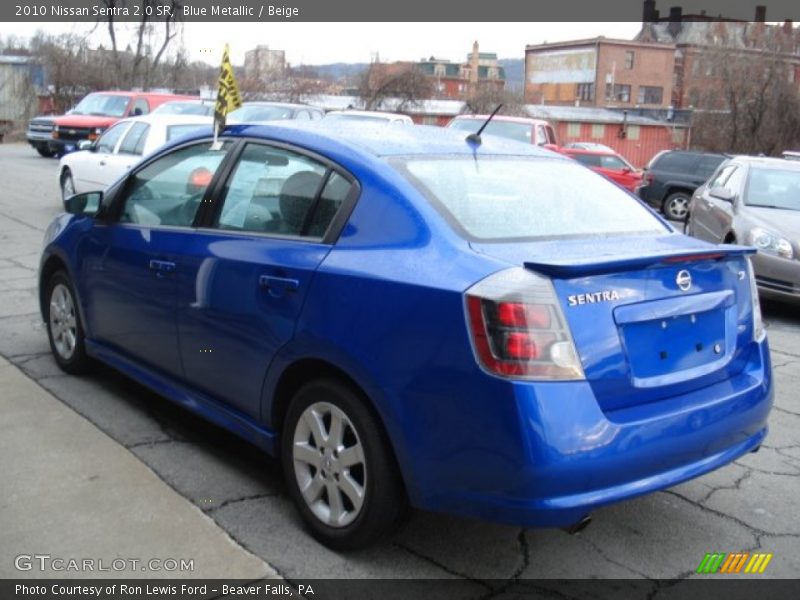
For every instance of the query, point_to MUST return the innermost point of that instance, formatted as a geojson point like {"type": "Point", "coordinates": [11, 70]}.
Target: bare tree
{"type": "Point", "coordinates": [486, 98]}
{"type": "Point", "coordinates": [402, 81]}
{"type": "Point", "coordinates": [748, 102]}
{"type": "Point", "coordinates": [137, 65]}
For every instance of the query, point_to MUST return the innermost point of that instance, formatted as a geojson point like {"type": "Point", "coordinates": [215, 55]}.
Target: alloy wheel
{"type": "Point", "coordinates": [63, 321]}
{"type": "Point", "coordinates": [329, 464]}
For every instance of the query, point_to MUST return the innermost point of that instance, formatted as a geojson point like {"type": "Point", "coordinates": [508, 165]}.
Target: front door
{"type": "Point", "coordinates": [243, 280]}
{"type": "Point", "coordinates": [130, 264]}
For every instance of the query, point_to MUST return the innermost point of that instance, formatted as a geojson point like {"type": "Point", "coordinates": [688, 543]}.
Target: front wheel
{"type": "Point", "coordinates": [45, 151]}
{"type": "Point", "coordinates": [339, 467]}
{"type": "Point", "coordinates": [676, 206]}
{"type": "Point", "coordinates": [64, 329]}
{"type": "Point", "coordinates": [67, 185]}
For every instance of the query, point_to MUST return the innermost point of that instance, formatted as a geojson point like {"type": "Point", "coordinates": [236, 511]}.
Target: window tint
{"type": "Point", "coordinates": [176, 131]}
{"type": "Point", "coordinates": [333, 195]}
{"type": "Point", "coordinates": [135, 139]}
{"type": "Point", "coordinates": [109, 139]}
{"type": "Point", "coordinates": [590, 160]}
{"type": "Point", "coordinates": [140, 107]}
{"type": "Point", "coordinates": [272, 190]}
{"type": "Point", "coordinates": [507, 198]}
{"type": "Point", "coordinates": [677, 162]}
{"type": "Point", "coordinates": [169, 190]}
{"type": "Point", "coordinates": [707, 165]}
{"type": "Point", "coordinates": [612, 162]}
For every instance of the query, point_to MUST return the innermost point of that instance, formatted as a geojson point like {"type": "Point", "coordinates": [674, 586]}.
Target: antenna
{"type": "Point", "coordinates": [475, 138]}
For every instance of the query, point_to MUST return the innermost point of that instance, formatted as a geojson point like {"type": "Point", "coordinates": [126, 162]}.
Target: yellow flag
{"type": "Point", "coordinates": [228, 97]}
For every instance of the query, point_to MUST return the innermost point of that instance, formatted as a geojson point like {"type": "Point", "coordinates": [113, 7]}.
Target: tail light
{"type": "Point", "coordinates": [518, 329]}
{"type": "Point", "coordinates": [758, 321]}
{"type": "Point", "coordinates": [649, 178]}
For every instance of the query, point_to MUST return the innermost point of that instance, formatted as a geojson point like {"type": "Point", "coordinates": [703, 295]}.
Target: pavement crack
{"type": "Point", "coordinates": [441, 565]}
{"type": "Point", "coordinates": [755, 531]}
{"type": "Point", "coordinates": [736, 484]}
{"type": "Point", "coordinates": [153, 443]}
{"type": "Point", "coordinates": [240, 499]}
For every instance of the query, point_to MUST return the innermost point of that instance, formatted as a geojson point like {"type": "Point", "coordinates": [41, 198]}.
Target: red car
{"type": "Point", "coordinates": [609, 164]}
{"type": "Point", "coordinates": [92, 115]}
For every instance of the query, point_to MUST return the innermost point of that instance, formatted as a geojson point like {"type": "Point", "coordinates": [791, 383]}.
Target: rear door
{"type": "Point", "coordinates": [244, 277]}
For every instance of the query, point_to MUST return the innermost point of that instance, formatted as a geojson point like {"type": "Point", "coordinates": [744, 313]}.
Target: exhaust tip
{"type": "Point", "coordinates": [578, 526]}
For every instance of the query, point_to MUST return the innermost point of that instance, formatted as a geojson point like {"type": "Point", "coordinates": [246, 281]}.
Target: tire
{"type": "Point", "coordinates": [45, 151]}
{"type": "Point", "coordinates": [317, 466]}
{"type": "Point", "coordinates": [64, 327]}
{"type": "Point", "coordinates": [67, 184]}
{"type": "Point", "coordinates": [676, 206]}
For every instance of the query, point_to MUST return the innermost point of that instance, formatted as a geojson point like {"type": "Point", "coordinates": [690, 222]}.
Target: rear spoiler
{"type": "Point", "coordinates": [626, 262]}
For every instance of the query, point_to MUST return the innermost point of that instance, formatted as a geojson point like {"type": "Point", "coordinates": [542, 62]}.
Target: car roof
{"type": "Point", "coordinates": [283, 104]}
{"type": "Point", "coordinates": [376, 140]}
{"type": "Point", "coordinates": [590, 152]}
{"type": "Point", "coordinates": [369, 113]}
{"type": "Point", "coordinates": [767, 161]}
{"type": "Point", "coordinates": [505, 118]}
{"type": "Point", "coordinates": [168, 119]}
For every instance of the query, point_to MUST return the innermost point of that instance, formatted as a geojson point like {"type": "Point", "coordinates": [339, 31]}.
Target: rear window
{"type": "Point", "coordinates": [521, 132]}
{"type": "Point", "coordinates": [507, 198]}
{"type": "Point", "coordinates": [176, 131]}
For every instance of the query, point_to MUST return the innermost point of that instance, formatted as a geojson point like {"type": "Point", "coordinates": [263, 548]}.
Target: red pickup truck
{"type": "Point", "coordinates": [52, 136]}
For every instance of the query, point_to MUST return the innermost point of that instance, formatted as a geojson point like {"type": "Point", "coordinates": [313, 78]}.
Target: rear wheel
{"type": "Point", "coordinates": [339, 467]}
{"type": "Point", "coordinates": [676, 206]}
{"type": "Point", "coordinates": [67, 185]}
{"type": "Point", "coordinates": [64, 329]}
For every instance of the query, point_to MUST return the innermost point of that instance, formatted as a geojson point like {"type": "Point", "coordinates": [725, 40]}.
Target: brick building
{"type": "Point", "coordinates": [600, 72]}
{"type": "Point", "coordinates": [459, 80]}
{"type": "Point", "coordinates": [705, 46]}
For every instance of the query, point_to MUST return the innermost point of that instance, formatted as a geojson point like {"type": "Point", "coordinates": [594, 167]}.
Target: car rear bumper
{"type": "Point", "coordinates": [576, 458]}
{"type": "Point", "coordinates": [777, 278]}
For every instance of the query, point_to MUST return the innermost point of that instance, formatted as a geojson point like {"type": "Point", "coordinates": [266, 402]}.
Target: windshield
{"type": "Point", "coordinates": [506, 198]}
{"type": "Point", "coordinates": [102, 105]}
{"type": "Point", "coordinates": [175, 131]}
{"type": "Point", "coordinates": [250, 113]}
{"type": "Point", "coordinates": [185, 108]}
{"type": "Point", "coordinates": [520, 132]}
{"type": "Point", "coordinates": [773, 188]}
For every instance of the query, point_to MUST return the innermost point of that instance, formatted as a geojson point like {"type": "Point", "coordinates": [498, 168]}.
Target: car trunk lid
{"type": "Point", "coordinates": [651, 317]}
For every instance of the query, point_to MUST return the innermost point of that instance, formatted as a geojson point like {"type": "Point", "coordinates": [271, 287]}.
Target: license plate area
{"type": "Point", "coordinates": [675, 343]}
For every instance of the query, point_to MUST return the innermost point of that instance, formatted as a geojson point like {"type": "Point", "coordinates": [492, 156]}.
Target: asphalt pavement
{"type": "Point", "coordinates": [750, 505]}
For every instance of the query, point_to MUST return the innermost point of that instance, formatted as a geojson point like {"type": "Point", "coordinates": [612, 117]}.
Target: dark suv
{"type": "Point", "coordinates": [671, 178]}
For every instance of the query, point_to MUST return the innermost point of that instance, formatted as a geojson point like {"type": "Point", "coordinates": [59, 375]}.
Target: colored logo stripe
{"type": "Point", "coordinates": [722, 562]}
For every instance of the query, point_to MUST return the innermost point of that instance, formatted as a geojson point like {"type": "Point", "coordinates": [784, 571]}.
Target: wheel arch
{"type": "Point", "coordinates": [303, 370]}
{"type": "Point", "coordinates": [50, 265]}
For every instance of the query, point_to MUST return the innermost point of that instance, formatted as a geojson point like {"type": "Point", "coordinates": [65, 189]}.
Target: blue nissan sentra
{"type": "Point", "coordinates": [412, 318]}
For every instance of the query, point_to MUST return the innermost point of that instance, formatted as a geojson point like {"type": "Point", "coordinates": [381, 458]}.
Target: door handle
{"type": "Point", "coordinates": [162, 266]}
{"type": "Point", "coordinates": [102, 163]}
{"type": "Point", "coordinates": [277, 286]}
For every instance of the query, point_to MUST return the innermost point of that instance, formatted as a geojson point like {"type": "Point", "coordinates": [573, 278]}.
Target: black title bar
{"type": "Point", "coordinates": [232, 11]}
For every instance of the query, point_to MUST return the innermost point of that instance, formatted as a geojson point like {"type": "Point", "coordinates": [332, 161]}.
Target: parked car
{"type": "Point", "coordinates": [51, 136]}
{"type": "Point", "coordinates": [186, 107]}
{"type": "Point", "coordinates": [256, 112]}
{"type": "Point", "coordinates": [101, 163]}
{"type": "Point", "coordinates": [369, 116]}
{"type": "Point", "coordinates": [609, 164]}
{"type": "Point", "coordinates": [403, 316]}
{"type": "Point", "coordinates": [672, 176]}
{"type": "Point", "coordinates": [589, 146]}
{"type": "Point", "coordinates": [755, 201]}
{"type": "Point", "coordinates": [520, 129]}
{"type": "Point", "coordinates": [791, 154]}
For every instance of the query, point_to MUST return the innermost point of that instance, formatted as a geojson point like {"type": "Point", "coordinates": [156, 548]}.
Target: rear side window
{"type": "Point", "coordinates": [676, 162]}
{"type": "Point", "coordinates": [509, 198]}
{"type": "Point", "coordinates": [277, 191]}
{"type": "Point", "coordinates": [108, 141]}
{"type": "Point", "coordinates": [706, 166]}
{"type": "Point", "coordinates": [135, 139]}
{"type": "Point", "coordinates": [589, 160]}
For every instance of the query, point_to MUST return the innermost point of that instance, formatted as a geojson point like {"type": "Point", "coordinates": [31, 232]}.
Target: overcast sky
{"type": "Point", "coordinates": [321, 43]}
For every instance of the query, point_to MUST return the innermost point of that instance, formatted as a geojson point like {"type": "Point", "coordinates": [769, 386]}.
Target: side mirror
{"type": "Point", "coordinates": [86, 145]}
{"type": "Point", "coordinates": [721, 193]}
{"type": "Point", "coordinates": [87, 203]}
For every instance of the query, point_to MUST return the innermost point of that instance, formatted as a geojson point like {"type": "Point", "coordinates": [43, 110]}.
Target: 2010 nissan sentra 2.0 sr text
{"type": "Point", "coordinates": [408, 318]}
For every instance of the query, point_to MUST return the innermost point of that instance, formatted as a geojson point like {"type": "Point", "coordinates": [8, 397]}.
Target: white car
{"type": "Point", "coordinates": [369, 116]}
{"type": "Point", "coordinates": [97, 165]}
